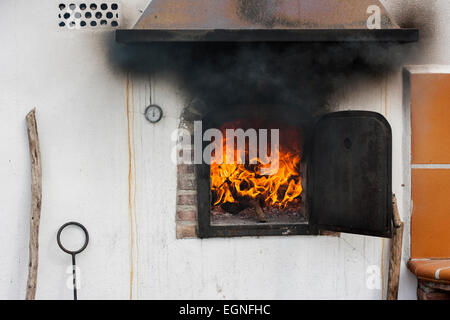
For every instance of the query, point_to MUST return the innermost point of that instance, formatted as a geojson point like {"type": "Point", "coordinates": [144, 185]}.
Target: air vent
{"type": "Point", "coordinates": [88, 15]}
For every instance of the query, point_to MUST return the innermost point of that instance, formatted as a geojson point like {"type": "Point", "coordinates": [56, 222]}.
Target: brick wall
{"type": "Point", "coordinates": [186, 215]}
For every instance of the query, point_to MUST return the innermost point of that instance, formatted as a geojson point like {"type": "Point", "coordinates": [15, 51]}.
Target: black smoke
{"type": "Point", "coordinates": [300, 77]}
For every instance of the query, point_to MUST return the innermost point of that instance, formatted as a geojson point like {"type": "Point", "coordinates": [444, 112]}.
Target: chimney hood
{"type": "Point", "coordinates": [264, 20]}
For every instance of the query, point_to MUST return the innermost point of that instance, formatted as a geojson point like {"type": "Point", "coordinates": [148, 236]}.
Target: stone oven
{"type": "Point", "coordinates": [324, 170]}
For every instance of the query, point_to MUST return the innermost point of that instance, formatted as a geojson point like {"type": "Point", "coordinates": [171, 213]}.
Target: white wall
{"type": "Point", "coordinates": [87, 153]}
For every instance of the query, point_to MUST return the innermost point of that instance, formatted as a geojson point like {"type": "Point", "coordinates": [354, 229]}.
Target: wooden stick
{"type": "Point", "coordinates": [36, 198]}
{"type": "Point", "coordinates": [259, 211]}
{"type": "Point", "coordinates": [396, 216]}
{"type": "Point", "coordinates": [396, 253]}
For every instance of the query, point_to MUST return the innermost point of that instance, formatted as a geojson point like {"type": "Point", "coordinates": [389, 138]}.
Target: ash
{"type": "Point", "coordinates": [293, 214]}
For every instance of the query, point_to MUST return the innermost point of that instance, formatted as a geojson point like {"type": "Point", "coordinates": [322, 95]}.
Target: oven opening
{"type": "Point", "coordinates": [257, 174]}
{"type": "Point", "coordinates": [285, 174]}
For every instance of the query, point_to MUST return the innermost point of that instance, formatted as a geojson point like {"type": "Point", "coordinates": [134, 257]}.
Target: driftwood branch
{"type": "Point", "coordinates": [396, 253]}
{"type": "Point", "coordinates": [36, 198]}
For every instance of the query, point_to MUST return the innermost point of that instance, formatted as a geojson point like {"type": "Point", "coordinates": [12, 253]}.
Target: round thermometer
{"type": "Point", "coordinates": [153, 113]}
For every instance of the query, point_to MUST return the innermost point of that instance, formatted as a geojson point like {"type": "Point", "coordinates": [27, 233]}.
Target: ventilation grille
{"type": "Point", "coordinates": [85, 15]}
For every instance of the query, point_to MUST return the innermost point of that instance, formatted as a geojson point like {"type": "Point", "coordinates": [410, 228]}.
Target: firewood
{"type": "Point", "coordinates": [234, 208]}
{"type": "Point", "coordinates": [36, 199]}
{"type": "Point", "coordinates": [259, 211]}
{"type": "Point", "coordinates": [242, 203]}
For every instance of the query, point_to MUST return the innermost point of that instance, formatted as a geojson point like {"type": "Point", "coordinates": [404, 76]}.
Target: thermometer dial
{"type": "Point", "coordinates": [153, 113]}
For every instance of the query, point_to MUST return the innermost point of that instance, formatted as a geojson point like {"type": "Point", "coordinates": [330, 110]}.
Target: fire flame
{"type": "Point", "coordinates": [232, 182]}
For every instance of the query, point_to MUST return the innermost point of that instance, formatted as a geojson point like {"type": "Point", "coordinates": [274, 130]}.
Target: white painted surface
{"type": "Point", "coordinates": [82, 120]}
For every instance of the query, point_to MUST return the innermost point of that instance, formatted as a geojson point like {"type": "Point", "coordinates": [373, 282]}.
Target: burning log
{"type": "Point", "coordinates": [234, 207]}
{"type": "Point", "coordinates": [236, 187]}
{"type": "Point", "coordinates": [242, 203]}
{"type": "Point", "coordinates": [259, 211]}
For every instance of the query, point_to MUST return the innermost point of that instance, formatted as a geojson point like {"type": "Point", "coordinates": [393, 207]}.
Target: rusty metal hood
{"type": "Point", "coordinates": [260, 14]}
{"type": "Point", "coordinates": [259, 20]}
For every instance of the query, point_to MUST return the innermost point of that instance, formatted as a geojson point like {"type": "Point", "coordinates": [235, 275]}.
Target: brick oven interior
{"type": "Point", "coordinates": [239, 194]}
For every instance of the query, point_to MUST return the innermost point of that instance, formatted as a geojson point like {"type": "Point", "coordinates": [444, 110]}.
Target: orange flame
{"type": "Point", "coordinates": [229, 182]}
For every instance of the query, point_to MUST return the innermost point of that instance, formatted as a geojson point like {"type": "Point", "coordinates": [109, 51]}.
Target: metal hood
{"type": "Point", "coordinates": [264, 20]}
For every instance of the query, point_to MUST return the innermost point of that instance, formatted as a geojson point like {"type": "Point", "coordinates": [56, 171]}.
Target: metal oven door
{"type": "Point", "coordinates": [349, 174]}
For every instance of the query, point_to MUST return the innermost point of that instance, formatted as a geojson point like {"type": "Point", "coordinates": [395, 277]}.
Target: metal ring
{"type": "Point", "coordinates": [86, 239]}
